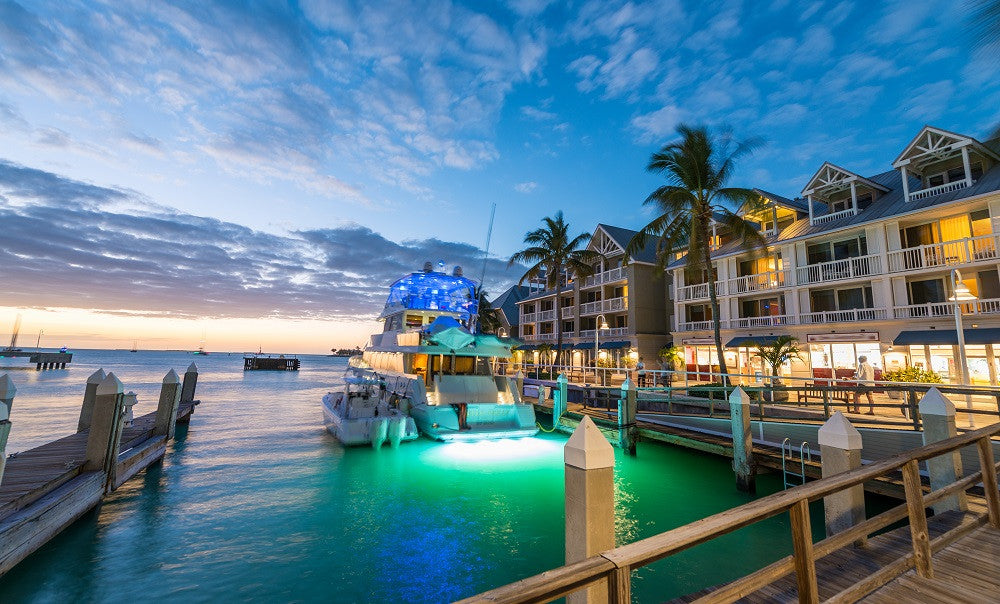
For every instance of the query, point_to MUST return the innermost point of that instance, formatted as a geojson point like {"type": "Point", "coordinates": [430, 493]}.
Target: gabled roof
{"type": "Point", "coordinates": [799, 205]}
{"type": "Point", "coordinates": [507, 302]}
{"type": "Point", "coordinates": [933, 143]}
{"type": "Point", "coordinates": [622, 236]}
{"type": "Point", "coordinates": [830, 176]}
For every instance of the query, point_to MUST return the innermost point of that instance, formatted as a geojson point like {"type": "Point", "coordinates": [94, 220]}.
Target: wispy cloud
{"type": "Point", "coordinates": [526, 187]}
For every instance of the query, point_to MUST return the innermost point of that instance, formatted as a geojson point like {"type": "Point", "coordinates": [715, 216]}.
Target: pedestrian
{"type": "Point", "coordinates": [864, 376]}
{"type": "Point", "coordinates": [641, 368]}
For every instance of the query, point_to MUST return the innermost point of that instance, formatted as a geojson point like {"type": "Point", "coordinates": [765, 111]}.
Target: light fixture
{"type": "Point", "coordinates": [604, 324]}
{"type": "Point", "coordinates": [962, 293]}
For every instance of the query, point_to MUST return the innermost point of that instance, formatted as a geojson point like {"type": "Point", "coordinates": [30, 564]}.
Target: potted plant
{"type": "Point", "coordinates": [913, 375]}
{"type": "Point", "coordinates": [775, 354]}
{"type": "Point", "coordinates": [672, 357]}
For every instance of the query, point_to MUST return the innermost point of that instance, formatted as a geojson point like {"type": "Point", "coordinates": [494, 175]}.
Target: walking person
{"type": "Point", "coordinates": [641, 370]}
{"type": "Point", "coordinates": [864, 376]}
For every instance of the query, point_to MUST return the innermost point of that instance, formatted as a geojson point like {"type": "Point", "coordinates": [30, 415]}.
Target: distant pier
{"type": "Point", "coordinates": [41, 360]}
{"type": "Point", "coordinates": [269, 363]}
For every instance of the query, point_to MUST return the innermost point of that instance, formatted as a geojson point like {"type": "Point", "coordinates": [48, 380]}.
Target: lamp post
{"type": "Point", "coordinates": [962, 294]}
{"type": "Point", "coordinates": [599, 323]}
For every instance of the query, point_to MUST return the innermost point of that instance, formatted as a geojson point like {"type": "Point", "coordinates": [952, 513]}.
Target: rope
{"type": "Point", "coordinates": [549, 431]}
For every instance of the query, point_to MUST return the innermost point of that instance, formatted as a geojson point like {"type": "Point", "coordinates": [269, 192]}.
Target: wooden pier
{"type": "Point", "coordinates": [45, 489]}
{"type": "Point", "coordinates": [269, 363]}
{"type": "Point", "coordinates": [41, 360]}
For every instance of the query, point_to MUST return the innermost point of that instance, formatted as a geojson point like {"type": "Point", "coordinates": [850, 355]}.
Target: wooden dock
{"type": "Point", "coordinates": [45, 489]}
{"type": "Point", "coordinates": [41, 360]}
{"type": "Point", "coordinates": [269, 363]}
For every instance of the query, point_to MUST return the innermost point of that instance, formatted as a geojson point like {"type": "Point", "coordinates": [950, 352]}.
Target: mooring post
{"type": "Point", "coordinates": [938, 414]}
{"type": "Point", "coordinates": [166, 409]}
{"type": "Point", "coordinates": [743, 461]}
{"type": "Point", "coordinates": [104, 439]}
{"type": "Point", "coordinates": [559, 400]}
{"type": "Point", "coordinates": [190, 382]}
{"type": "Point", "coordinates": [840, 448]}
{"type": "Point", "coordinates": [7, 392]}
{"type": "Point", "coordinates": [590, 502]}
{"type": "Point", "coordinates": [90, 391]}
{"type": "Point", "coordinates": [515, 392]}
{"type": "Point", "coordinates": [627, 404]}
{"type": "Point", "coordinates": [519, 378]}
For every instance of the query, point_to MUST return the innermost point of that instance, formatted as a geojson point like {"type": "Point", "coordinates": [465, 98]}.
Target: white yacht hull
{"type": "Point", "coordinates": [483, 421]}
{"type": "Point", "coordinates": [395, 427]}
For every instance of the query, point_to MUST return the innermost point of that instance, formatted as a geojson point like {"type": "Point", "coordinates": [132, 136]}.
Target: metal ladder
{"type": "Point", "coordinates": [788, 456]}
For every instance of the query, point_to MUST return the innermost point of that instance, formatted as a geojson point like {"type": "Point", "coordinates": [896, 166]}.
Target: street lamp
{"type": "Point", "coordinates": [599, 323]}
{"type": "Point", "coordinates": [962, 294]}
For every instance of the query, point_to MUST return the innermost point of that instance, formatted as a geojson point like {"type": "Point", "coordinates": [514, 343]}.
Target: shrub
{"type": "Point", "coordinates": [912, 374]}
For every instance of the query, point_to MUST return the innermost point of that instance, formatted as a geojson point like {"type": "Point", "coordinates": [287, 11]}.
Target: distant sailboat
{"type": "Point", "coordinates": [201, 349]}
{"type": "Point", "coordinates": [135, 346]}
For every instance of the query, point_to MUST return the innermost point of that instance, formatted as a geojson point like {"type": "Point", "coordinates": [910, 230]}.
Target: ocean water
{"type": "Point", "coordinates": [255, 501]}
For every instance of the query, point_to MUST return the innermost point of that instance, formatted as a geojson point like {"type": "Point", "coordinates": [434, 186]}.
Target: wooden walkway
{"type": "Point", "coordinates": [36, 472]}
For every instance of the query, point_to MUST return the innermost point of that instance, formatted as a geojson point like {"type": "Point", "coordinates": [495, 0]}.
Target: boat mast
{"type": "Point", "coordinates": [482, 275]}
{"type": "Point", "coordinates": [17, 329]}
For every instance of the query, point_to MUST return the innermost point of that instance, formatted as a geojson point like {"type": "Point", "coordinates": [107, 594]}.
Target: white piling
{"type": "Point", "coordinates": [840, 446]}
{"type": "Point", "coordinates": [90, 391]}
{"type": "Point", "coordinates": [743, 462]}
{"type": "Point", "coordinates": [938, 416]}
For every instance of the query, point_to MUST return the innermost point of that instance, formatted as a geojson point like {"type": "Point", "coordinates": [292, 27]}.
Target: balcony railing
{"type": "Point", "coordinates": [609, 305]}
{"type": "Point", "coordinates": [947, 187]}
{"type": "Point", "coordinates": [696, 325]}
{"type": "Point", "coordinates": [766, 321]}
{"type": "Point", "coordinates": [541, 337]}
{"type": "Point", "coordinates": [989, 306]}
{"type": "Point", "coordinates": [962, 251]}
{"type": "Point", "coordinates": [611, 276]}
{"type": "Point", "coordinates": [614, 332]}
{"type": "Point", "coordinates": [835, 216]}
{"type": "Point", "coordinates": [837, 270]}
{"type": "Point", "coordinates": [845, 316]}
{"type": "Point", "coordinates": [759, 282]}
{"type": "Point", "coordinates": [699, 291]}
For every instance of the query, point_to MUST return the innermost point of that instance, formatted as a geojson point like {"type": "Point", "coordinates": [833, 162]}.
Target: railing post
{"type": "Point", "coordinates": [166, 410]}
{"type": "Point", "coordinates": [840, 448]}
{"type": "Point", "coordinates": [590, 502]}
{"type": "Point", "coordinates": [620, 586]}
{"type": "Point", "coordinates": [938, 415]}
{"type": "Point", "coordinates": [911, 397]}
{"type": "Point", "coordinates": [90, 391]}
{"type": "Point", "coordinates": [627, 405]}
{"type": "Point", "coordinates": [7, 392]}
{"type": "Point", "coordinates": [743, 462]}
{"type": "Point", "coordinates": [104, 440]}
{"type": "Point", "coordinates": [805, 564]}
{"type": "Point", "coordinates": [918, 519]}
{"type": "Point", "coordinates": [989, 480]}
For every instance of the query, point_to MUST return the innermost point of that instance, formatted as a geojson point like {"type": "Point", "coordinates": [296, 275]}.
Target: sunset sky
{"type": "Point", "coordinates": [257, 175]}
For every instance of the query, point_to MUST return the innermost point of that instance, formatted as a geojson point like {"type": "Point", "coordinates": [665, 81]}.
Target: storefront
{"type": "Point", "coordinates": [938, 351]}
{"type": "Point", "coordinates": [700, 356]}
{"type": "Point", "coordinates": [835, 355]}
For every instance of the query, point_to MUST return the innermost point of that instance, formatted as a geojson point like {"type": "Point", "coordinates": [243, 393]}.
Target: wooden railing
{"type": "Point", "coordinates": [614, 567]}
{"type": "Point", "coordinates": [837, 270]}
{"type": "Point", "coordinates": [947, 187]}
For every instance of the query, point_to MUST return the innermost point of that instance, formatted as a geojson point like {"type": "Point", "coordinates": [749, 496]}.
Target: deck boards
{"type": "Point", "coordinates": [35, 472]}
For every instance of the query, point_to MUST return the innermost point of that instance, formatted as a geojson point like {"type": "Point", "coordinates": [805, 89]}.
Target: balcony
{"type": "Point", "coordinates": [947, 309]}
{"type": "Point", "coordinates": [699, 291]}
{"type": "Point", "coordinates": [948, 187]}
{"type": "Point", "coordinates": [759, 282]}
{"type": "Point", "coordinates": [845, 316]}
{"type": "Point", "coordinates": [609, 305]}
{"type": "Point", "coordinates": [611, 276]}
{"type": "Point", "coordinates": [766, 321]}
{"type": "Point", "coordinates": [614, 332]}
{"type": "Point", "coordinates": [697, 325]}
{"type": "Point", "coordinates": [541, 337]}
{"type": "Point", "coordinates": [835, 216]}
{"type": "Point", "coordinates": [838, 270]}
{"type": "Point", "coordinates": [949, 253]}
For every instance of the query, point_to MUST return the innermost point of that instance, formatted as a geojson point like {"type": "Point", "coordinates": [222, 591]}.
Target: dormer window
{"type": "Point", "coordinates": [943, 162]}
{"type": "Point", "coordinates": [843, 193]}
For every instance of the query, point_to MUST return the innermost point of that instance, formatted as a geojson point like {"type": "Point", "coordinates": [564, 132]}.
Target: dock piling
{"type": "Point", "coordinates": [166, 410]}
{"type": "Point", "coordinates": [840, 446]}
{"type": "Point", "coordinates": [743, 461]}
{"type": "Point", "coordinates": [627, 406]}
{"type": "Point", "coordinates": [190, 382]}
{"type": "Point", "coordinates": [590, 502]}
{"type": "Point", "coordinates": [938, 414]}
{"type": "Point", "coordinates": [7, 392]}
{"type": "Point", "coordinates": [104, 439]}
{"type": "Point", "coordinates": [559, 400]}
{"type": "Point", "coordinates": [87, 409]}
{"type": "Point", "coordinates": [519, 377]}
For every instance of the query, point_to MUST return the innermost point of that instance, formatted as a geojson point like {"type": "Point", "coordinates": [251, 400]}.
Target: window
{"type": "Point", "coordinates": [619, 292]}
{"type": "Point", "coordinates": [545, 328]}
{"type": "Point", "coordinates": [547, 305]}
{"type": "Point", "coordinates": [566, 302]}
{"type": "Point", "coordinates": [865, 200]}
{"type": "Point", "coordinates": [829, 300]}
{"type": "Point", "coordinates": [567, 327]}
{"type": "Point", "coordinates": [840, 205]}
{"type": "Point", "coordinates": [698, 312]}
{"type": "Point", "coordinates": [837, 250]}
{"type": "Point", "coordinates": [528, 329]}
{"type": "Point", "coordinates": [766, 307]}
{"type": "Point", "coordinates": [989, 285]}
{"type": "Point", "coordinates": [956, 174]}
{"type": "Point", "coordinates": [823, 300]}
{"type": "Point", "coordinates": [529, 309]}
{"type": "Point", "coordinates": [929, 291]}
{"type": "Point", "coordinates": [981, 224]}
{"type": "Point", "coordinates": [619, 321]}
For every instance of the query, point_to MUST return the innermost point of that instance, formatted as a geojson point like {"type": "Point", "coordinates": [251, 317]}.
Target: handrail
{"type": "Point", "coordinates": [557, 582]}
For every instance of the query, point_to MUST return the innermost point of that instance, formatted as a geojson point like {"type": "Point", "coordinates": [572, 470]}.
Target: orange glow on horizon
{"type": "Point", "coordinates": [80, 328]}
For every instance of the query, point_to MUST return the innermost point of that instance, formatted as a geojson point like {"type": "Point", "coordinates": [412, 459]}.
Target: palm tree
{"type": "Point", "coordinates": [489, 317]}
{"type": "Point", "coordinates": [697, 168]}
{"type": "Point", "coordinates": [553, 253]}
{"type": "Point", "coordinates": [775, 354]}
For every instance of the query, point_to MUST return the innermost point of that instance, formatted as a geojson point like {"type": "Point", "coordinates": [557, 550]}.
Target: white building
{"type": "Point", "coordinates": [862, 266]}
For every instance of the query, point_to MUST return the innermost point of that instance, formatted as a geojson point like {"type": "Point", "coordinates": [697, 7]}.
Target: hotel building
{"type": "Point", "coordinates": [625, 298]}
{"type": "Point", "coordinates": [862, 265]}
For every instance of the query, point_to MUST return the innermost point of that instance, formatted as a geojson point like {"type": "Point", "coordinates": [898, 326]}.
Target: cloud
{"type": "Point", "coordinates": [62, 247]}
{"type": "Point", "coordinates": [659, 123]}
{"type": "Point", "coordinates": [526, 187]}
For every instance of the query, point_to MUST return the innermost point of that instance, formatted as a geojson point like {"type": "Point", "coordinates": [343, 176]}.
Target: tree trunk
{"type": "Point", "coordinates": [558, 321]}
{"type": "Point", "coordinates": [716, 325]}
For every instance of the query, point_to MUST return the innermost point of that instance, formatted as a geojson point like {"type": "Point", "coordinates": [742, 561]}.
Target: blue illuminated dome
{"type": "Point", "coordinates": [433, 291]}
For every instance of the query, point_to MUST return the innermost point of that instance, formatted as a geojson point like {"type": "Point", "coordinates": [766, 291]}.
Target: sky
{"type": "Point", "coordinates": [257, 173]}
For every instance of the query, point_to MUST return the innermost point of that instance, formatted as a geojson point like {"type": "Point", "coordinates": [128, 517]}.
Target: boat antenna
{"type": "Point", "coordinates": [486, 258]}
{"type": "Point", "coordinates": [17, 330]}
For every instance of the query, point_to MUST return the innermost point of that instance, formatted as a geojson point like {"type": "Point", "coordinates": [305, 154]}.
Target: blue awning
{"type": "Point", "coordinates": [615, 345]}
{"type": "Point", "coordinates": [948, 336]}
{"type": "Point", "coordinates": [750, 341]}
{"type": "Point", "coordinates": [527, 347]}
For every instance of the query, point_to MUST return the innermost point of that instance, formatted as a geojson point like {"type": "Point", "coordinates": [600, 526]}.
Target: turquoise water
{"type": "Point", "coordinates": [255, 501]}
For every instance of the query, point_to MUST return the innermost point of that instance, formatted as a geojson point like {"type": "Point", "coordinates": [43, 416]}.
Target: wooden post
{"type": "Point", "coordinates": [166, 410]}
{"type": "Point", "coordinates": [989, 480]}
{"type": "Point", "coordinates": [918, 520]}
{"type": "Point", "coordinates": [840, 448]}
{"type": "Point", "coordinates": [520, 383]}
{"type": "Point", "coordinates": [104, 439]}
{"type": "Point", "coordinates": [590, 502]}
{"type": "Point", "coordinates": [743, 461]}
{"type": "Point", "coordinates": [559, 404]}
{"type": "Point", "coordinates": [805, 563]}
{"type": "Point", "coordinates": [190, 382]}
{"type": "Point", "coordinates": [938, 415]}
{"type": "Point", "coordinates": [87, 410]}
{"type": "Point", "coordinates": [515, 392]}
{"type": "Point", "coordinates": [627, 404]}
{"type": "Point", "coordinates": [911, 398]}
{"type": "Point", "coordinates": [7, 392]}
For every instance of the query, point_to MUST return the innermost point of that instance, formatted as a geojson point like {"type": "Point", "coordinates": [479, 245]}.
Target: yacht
{"type": "Point", "coordinates": [358, 415]}
{"type": "Point", "coordinates": [437, 369]}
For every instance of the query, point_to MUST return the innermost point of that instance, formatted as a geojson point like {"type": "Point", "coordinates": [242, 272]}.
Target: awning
{"type": "Point", "coordinates": [750, 341]}
{"type": "Point", "coordinates": [527, 347]}
{"type": "Point", "coordinates": [615, 345]}
{"type": "Point", "coordinates": [948, 336]}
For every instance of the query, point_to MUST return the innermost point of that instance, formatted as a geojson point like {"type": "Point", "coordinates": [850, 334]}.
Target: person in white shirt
{"type": "Point", "coordinates": [864, 377]}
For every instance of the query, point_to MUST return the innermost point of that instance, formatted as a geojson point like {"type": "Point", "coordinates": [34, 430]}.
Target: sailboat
{"type": "Point", "coordinates": [135, 346]}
